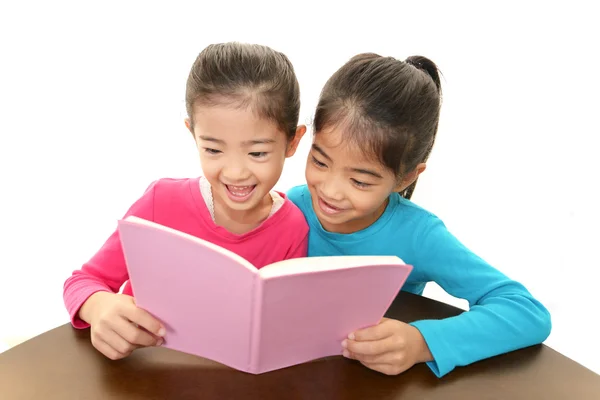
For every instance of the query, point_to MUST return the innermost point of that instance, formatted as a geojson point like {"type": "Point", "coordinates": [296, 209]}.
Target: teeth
{"type": "Point", "coordinates": [240, 190]}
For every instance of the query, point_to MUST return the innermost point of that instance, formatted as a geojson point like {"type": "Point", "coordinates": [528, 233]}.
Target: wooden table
{"type": "Point", "coordinates": [62, 364]}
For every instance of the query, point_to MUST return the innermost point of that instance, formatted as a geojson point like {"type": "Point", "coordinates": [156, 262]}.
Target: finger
{"type": "Point", "coordinates": [377, 332]}
{"type": "Point", "coordinates": [387, 369]}
{"type": "Point", "coordinates": [348, 355]}
{"type": "Point", "coordinates": [108, 350]}
{"type": "Point", "coordinates": [384, 358]}
{"type": "Point", "coordinates": [114, 340]}
{"type": "Point", "coordinates": [135, 335]}
{"type": "Point", "coordinates": [370, 348]}
{"type": "Point", "coordinates": [378, 363]}
{"type": "Point", "coordinates": [144, 320]}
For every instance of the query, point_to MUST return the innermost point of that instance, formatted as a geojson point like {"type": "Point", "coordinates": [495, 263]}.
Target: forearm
{"type": "Point", "coordinates": [78, 291]}
{"type": "Point", "coordinates": [503, 315]}
{"type": "Point", "coordinates": [497, 325]}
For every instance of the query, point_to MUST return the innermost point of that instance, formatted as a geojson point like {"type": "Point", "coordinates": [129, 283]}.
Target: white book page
{"type": "Point", "coordinates": [315, 264]}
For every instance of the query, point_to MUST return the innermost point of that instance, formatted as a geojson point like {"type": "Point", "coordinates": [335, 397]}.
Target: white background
{"type": "Point", "coordinates": [92, 108]}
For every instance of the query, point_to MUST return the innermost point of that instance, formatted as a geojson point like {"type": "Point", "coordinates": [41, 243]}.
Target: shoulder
{"type": "Point", "coordinates": [172, 185]}
{"type": "Point", "coordinates": [286, 225]}
{"type": "Point", "coordinates": [293, 217]}
{"type": "Point", "coordinates": [296, 193]}
{"type": "Point", "coordinates": [411, 215]}
{"type": "Point", "coordinates": [427, 232]}
{"type": "Point", "coordinates": [173, 188]}
{"type": "Point", "coordinates": [170, 196]}
{"type": "Point", "coordinates": [416, 228]}
{"type": "Point", "coordinates": [300, 196]}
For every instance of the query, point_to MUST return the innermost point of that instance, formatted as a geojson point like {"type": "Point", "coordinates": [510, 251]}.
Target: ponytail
{"type": "Point", "coordinates": [407, 193]}
{"type": "Point", "coordinates": [426, 65]}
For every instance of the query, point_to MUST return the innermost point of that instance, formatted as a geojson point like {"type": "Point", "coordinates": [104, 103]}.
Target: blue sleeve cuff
{"type": "Point", "coordinates": [440, 365]}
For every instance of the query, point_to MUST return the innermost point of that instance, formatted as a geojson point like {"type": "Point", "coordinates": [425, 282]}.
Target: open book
{"type": "Point", "coordinates": [217, 305]}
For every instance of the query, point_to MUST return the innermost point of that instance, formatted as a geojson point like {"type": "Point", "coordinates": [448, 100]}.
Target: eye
{"type": "Point", "coordinates": [211, 151]}
{"type": "Point", "coordinates": [317, 162]}
{"type": "Point", "coordinates": [360, 184]}
{"type": "Point", "coordinates": [258, 154]}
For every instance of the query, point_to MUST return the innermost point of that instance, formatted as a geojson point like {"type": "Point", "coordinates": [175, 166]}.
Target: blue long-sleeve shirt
{"type": "Point", "coordinates": [503, 316]}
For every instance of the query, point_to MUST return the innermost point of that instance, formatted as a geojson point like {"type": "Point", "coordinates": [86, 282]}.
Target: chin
{"type": "Point", "coordinates": [245, 206]}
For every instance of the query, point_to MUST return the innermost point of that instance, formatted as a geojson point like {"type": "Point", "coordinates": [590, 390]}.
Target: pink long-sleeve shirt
{"type": "Point", "coordinates": [178, 203]}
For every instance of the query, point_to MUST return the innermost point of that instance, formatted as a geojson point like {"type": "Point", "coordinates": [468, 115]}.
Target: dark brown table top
{"type": "Point", "coordinates": [62, 364]}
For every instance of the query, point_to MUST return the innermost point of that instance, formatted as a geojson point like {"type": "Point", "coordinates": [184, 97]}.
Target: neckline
{"type": "Point", "coordinates": [224, 233]}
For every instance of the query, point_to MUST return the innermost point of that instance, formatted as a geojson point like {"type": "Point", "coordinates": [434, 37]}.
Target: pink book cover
{"type": "Point", "coordinates": [217, 305]}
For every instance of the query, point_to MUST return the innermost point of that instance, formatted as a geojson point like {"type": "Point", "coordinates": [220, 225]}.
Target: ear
{"type": "Point", "coordinates": [293, 144]}
{"type": "Point", "coordinates": [411, 177]}
{"type": "Point", "coordinates": [188, 125]}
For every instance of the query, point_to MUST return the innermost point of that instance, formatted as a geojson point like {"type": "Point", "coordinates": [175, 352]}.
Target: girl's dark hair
{"type": "Point", "coordinates": [244, 75]}
{"type": "Point", "coordinates": [388, 108]}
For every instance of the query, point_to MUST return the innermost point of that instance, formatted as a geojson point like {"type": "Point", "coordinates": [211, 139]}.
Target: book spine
{"type": "Point", "coordinates": [256, 324]}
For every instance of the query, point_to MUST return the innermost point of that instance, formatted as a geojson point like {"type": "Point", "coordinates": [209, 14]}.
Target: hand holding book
{"type": "Point", "coordinates": [118, 326]}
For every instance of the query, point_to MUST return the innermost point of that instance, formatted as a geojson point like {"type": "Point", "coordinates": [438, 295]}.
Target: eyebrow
{"type": "Point", "coordinates": [211, 139]}
{"type": "Point", "coordinates": [367, 172]}
{"type": "Point", "coordinates": [258, 141]}
{"type": "Point", "coordinates": [357, 170]}
{"type": "Point", "coordinates": [321, 151]}
{"type": "Point", "coordinates": [246, 143]}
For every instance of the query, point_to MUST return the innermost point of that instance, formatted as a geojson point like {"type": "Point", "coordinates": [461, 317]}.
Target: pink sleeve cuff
{"type": "Point", "coordinates": [76, 295]}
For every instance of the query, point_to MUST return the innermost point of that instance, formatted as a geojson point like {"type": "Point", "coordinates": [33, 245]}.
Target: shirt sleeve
{"type": "Point", "coordinates": [106, 270]}
{"type": "Point", "coordinates": [503, 316]}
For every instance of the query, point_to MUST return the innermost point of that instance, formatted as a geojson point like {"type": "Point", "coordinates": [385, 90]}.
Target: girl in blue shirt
{"type": "Point", "coordinates": [375, 126]}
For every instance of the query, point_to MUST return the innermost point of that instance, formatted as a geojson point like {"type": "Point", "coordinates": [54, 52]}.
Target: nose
{"type": "Point", "coordinates": [331, 189]}
{"type": "Point", "coordinates": [235, 171]}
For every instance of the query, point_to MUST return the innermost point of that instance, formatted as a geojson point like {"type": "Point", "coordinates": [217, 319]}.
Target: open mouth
{"type": "Point", "coordinates": [329, 208]}
{"type": "Point", "coordinates": [240, 193]}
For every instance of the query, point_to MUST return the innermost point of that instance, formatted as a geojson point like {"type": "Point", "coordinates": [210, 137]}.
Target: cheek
{"type": "Point", "coordinates": [311, 174]}
{"type": "Point", "coordinates": [268, 171]}
{"type": "Point", "coordinates": [367, 201]}
{"type": "Point", "coordinates": [209, 166]}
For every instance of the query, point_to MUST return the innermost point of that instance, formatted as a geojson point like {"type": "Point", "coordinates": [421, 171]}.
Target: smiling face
{"type": "Point", "coordinates": [242, 157]}
{"type": "Point", "coordinates": [349, 191]}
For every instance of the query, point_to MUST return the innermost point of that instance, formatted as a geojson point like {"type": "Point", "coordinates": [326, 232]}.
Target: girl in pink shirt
{"type": "Point", "coordinates": [243, 103]}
